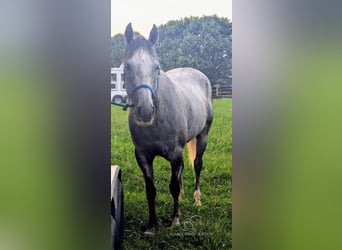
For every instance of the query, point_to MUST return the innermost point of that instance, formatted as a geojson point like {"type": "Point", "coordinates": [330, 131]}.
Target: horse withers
{"type": "Point", "coordinates": [167, 111]}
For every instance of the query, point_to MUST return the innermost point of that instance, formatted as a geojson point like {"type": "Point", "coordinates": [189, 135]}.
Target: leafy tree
{"type": "Point", "coordinates": [204, 43]}
{"type": "Point", "coordinates": [118, 48]}
{"type": "Point", "coordinates": [201, 42]}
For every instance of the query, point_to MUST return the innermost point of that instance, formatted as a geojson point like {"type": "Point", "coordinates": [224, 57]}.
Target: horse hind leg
{"type": "Point", "coordinates": [181, 193]}
{"type": "Point", "coordinates": [197, 193]}
{"type": "Point", "coordinates": [201, 145]}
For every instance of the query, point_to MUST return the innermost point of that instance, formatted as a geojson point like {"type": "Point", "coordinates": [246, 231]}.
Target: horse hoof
{"type": "Point", "coordinates": [150, 231]}
{"type": "Point", "coordinates": [197, 196]}
{"type": "Point", "coordinates": [181, 195]}
{"type": "Point", "coordinates": [198, 203]}
{"type": "Point", "coordinates": [175, 221]}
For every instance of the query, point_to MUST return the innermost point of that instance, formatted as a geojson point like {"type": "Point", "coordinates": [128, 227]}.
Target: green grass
{"type": "Point", "coordinates": [206, 227]}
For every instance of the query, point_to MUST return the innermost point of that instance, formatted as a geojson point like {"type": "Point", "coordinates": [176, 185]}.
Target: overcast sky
{"type": "Point", "coordinates": [144, 13]}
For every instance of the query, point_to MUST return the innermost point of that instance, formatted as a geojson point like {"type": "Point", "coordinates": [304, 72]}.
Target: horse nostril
{"type": "Point", "coordinates": [139, 111]}
{"type": "Point", "coordinates": [144, 114]}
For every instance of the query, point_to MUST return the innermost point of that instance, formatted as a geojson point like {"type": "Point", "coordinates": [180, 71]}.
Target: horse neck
{"type": "Point", "coordinates": [165, 95]}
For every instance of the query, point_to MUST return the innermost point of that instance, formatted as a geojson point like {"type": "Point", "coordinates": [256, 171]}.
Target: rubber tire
{"type": "Point", "coordinates": [117, 224]}
{"type": "Point", "coordinates": [120, 215]}
{"type": "Point", "coordinates": [117, 99]}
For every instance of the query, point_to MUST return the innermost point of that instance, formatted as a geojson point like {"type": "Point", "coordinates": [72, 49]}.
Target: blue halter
{"type": "Point", "coordinates": [141, 86]}
{"type": "Point", "coordinates": [147, 86]}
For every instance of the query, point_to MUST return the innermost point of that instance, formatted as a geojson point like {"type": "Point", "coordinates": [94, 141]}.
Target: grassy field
{"type": "Point", "coordinates": [206, 227]}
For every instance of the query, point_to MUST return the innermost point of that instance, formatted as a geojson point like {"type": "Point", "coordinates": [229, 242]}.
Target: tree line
{"type": "Point", "coordinates": [204, 43]}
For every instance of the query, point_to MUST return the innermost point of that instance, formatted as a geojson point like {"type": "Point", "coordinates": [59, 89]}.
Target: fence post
{"type": "Point", "coordinates": [217, 90]}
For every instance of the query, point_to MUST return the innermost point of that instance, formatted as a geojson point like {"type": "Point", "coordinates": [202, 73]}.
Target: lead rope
{"type": "Point", "coordinates": [124, 106]}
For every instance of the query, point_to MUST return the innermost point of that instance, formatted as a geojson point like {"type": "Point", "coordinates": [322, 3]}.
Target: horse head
{"type": "Point", "coordinates": [141, 69]}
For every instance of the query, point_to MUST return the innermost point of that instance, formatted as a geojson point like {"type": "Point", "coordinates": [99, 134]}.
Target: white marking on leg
{"type": "Point", "coordinates": [181, 193]}
{"type": "Point", "coordinates": [197, 196]}
{"type": "Point", "coordinates": [175, 221]}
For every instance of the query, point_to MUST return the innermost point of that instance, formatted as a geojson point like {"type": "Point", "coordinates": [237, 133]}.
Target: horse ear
{"type": "Point", "coordinates": [129, 33]}
{"type": "Point", "coordinates": [153, 35]}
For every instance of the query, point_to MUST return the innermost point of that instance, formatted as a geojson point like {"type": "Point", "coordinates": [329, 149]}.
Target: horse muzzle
{"type": "Point", "coordinates": [143, 104]}
{"type": "Point", "coordinates": [144, 114]}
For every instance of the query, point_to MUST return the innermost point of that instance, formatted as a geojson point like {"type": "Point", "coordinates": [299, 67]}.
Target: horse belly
{"type": "Point", "coordinates": [196, 119]}
{"type": "Point", "coordinates": [194, 93]}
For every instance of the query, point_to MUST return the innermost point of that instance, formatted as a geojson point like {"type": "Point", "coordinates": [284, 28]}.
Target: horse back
{"type": "Point", "coordinates": [189, 80]}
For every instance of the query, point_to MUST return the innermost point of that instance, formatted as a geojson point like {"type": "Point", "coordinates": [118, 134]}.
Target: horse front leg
{"type": "Point", "coordinates": [175, 184]}
{"type": "Point", "coordinates": [145, 163]}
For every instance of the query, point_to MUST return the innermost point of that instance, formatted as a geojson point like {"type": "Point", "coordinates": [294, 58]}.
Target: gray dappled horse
{"type": "Point", "coordinates": [167, 111]}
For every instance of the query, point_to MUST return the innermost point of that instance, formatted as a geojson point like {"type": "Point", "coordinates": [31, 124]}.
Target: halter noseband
{"type": "Point", "coordinates": [147, 86]}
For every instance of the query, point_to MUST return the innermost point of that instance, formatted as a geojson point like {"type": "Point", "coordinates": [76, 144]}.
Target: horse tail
{"type": "Point", "coordinates": [192, 150]}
